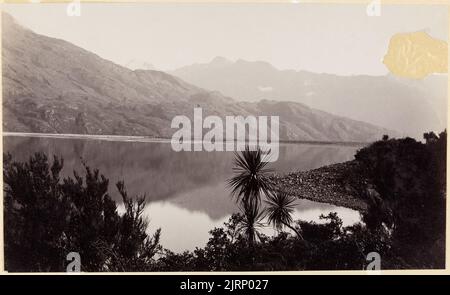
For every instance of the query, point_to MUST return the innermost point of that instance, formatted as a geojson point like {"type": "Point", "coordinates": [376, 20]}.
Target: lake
{"type": "Point", "coordinates": [186, 191]}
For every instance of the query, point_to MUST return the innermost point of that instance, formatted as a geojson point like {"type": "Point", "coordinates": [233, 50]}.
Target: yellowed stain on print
{"type": "Point", "coordinates": [416, 55]}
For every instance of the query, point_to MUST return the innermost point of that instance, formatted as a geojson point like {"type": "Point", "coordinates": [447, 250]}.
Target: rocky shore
{"type": "Point", "coordinates": [332, 184]}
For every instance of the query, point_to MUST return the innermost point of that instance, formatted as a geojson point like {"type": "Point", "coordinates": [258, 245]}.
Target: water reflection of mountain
{"type": "Point", "coordinates": [216, 201]}
{"type": "Point", "coordinates": [153, 168]}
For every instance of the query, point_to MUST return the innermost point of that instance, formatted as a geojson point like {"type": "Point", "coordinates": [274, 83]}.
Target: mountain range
{"type": "Point", "coordinates": [409, 106]}
{"type": "Point", "coordinates": [53, 86]}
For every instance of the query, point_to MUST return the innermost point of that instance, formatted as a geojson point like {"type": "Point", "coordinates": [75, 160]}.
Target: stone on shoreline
{"type": "Point", "coordinates": [332, 184]}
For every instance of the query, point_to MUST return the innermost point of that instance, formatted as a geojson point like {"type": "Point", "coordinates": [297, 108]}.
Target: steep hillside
{"type": "Point", "coordinates": [52, 86]}
{"type": "Point", "coordinates": [409, 106]}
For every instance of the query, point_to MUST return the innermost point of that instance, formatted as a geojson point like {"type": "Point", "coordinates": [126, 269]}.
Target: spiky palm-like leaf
{"type": "Point", "coordinates": [251, 177]}
{"type": "Point", "coordinates": [251, 222]}
{"type": "Point", "coordinates": [280, 207]}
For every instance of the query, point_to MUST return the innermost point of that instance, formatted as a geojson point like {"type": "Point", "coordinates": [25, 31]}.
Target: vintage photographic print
{"type": "Point", "coordinates": [188, 137]}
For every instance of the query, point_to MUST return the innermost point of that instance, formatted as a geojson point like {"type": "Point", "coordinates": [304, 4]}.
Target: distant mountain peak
{"type": "Point", "coordinates": [257, 64]}
{"type": "Point", "coordinates": [220, 61]}
{"type": "Point", "coordinates": [410, 106]}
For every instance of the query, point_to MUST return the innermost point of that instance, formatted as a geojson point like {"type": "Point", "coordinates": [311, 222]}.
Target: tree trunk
{"type": "Point", "coordinates": [299, 235]}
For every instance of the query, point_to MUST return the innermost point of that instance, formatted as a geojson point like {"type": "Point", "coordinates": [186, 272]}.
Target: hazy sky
{"type": "Point", "coordinates": [329, 38]}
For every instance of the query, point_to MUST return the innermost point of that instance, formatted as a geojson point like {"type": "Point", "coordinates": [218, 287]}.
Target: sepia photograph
{"type": "Point", "coordinates": [223, 137]}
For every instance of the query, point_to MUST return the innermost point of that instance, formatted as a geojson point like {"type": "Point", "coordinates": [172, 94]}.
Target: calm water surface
{"type": "Point", "coordinates": [186, 191]}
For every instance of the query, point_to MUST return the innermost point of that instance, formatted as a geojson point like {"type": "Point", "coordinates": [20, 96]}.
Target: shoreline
{"type": "Point", "coordinates": [143, 138]}
{"type": "Point", "coordinates": [328, 184]}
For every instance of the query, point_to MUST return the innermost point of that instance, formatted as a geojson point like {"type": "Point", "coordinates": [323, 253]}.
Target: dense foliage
{"type": "Point", "coordinates": [47, 217]}
{"type": "Point", "coordinates": [401, 180]}
{"type": "Point", "coordinates": [406, 194]}
{"type": "Point", "coordinates": [328, 246]}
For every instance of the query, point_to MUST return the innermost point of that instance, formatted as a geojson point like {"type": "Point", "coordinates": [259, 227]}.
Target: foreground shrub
{"type": "Point", "coordinates": [47, 217]}
{"type": "Point", "coordinates": [407, 196]}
